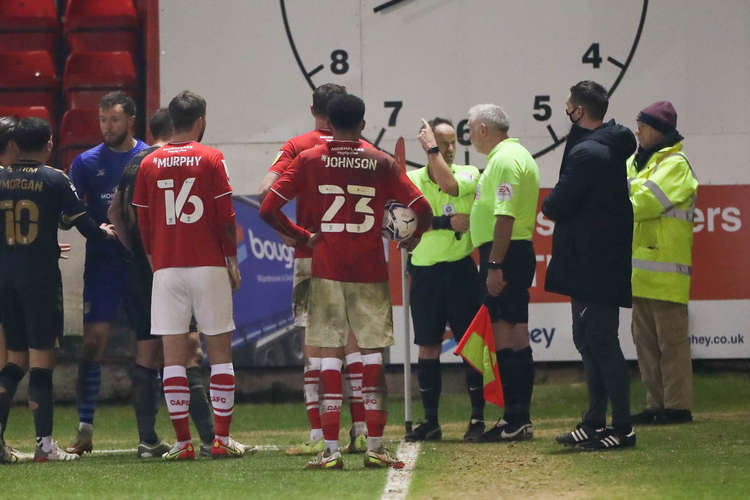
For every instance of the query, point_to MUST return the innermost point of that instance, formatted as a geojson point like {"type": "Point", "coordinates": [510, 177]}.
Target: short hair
{"type": "Point", "coordinates": [185, 108]}
{"type": "Point", "coordinates": [8, 125]}
{"type": "Point", "coordinates": [592, 97]}
{"type": "Point", "coordinates": [32, 134]}
{"type": "Point", "coordinates": [346, 111]}
{"type": "Point", "coordinates": [112, 99]}
{"type": "Point", "coordinates": [160, 124]}
{"type": "Point", "coordinates": [323, 95]}
{"type": "Point", "coordinates": [491, 115]}
{"type": "Point", "coordinates": [438, 121]}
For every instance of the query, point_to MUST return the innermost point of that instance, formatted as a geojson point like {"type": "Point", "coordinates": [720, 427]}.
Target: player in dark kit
{"type": "Point", "coordinates": [32, 197]}
{"type": "Point", "coordinates": [147, 390]}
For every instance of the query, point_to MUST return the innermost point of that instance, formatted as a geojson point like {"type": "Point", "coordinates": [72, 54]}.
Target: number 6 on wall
{"type": "Point", "coordinates": [365, 194]}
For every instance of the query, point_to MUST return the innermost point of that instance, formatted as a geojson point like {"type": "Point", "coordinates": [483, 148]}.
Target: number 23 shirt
{"type": "Point", "coordinates": [345, 185]}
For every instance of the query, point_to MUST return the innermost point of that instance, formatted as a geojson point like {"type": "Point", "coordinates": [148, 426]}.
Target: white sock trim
{"type": "Point", "coordinates": [353, 357]}
{"type": "Point", "coordinates": [221, 368]}
{"type": "Point", "coordinates": [334, 364]}
{"type": "Point", "coordinates": [172, 371]}
{"type": "Point", "coordinates": [375, 358]}
{"type": "Point", "coordinates": [313, 363]}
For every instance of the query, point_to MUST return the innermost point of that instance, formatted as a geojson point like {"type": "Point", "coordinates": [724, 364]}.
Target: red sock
{"type": "Point", "coordinates": [373, 392]}
{"type": "Point", "coordinates": [222, 397]}
{"type": "Point", "coordinates": [177, 395]}
{"type": "Point", "coordinates": [330, 398]}
{"type": "Point", "coordinates": [353, 374]}
{"type": "Point", "coordinates": [312, 400]}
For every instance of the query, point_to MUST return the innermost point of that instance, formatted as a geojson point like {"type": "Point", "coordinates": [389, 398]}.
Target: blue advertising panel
{"type": "Point", "coordinates": [265, 333]}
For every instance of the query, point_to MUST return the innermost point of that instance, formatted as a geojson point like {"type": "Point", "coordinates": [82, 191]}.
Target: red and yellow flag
{"type": "Point", "coordinates": [477, 347]}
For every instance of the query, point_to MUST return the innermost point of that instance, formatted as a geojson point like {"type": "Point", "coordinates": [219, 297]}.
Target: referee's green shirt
{"type": "Point", "coordinates": [508, 186]}
{"type": "Point", "coordinates": [441, 245]}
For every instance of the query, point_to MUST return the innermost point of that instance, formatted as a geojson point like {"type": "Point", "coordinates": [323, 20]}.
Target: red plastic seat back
{"type": "Point", "coordinates": [99, 14]}
{"type": "Point", "coordinates": [90, 75]}
{"type": "Point", "coordinates": [28, 79]}
{"type": "Point", "coordinates": [29, 15]}
{"type": "Point", "coordinates": [80, 128]}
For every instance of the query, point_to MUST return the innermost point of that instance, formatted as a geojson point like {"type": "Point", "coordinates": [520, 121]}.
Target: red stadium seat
{"type": "Point", "coordinates": [90, 75]}
{"type": "Point", "coordinates": [79, 131]}
{"type": "Point", "coordinates": [29, 25]}
{"type": "Point", "coordinates": [28, 79]}
{"type": "Point", "coordinates": [94, 25]}
{"type": "Point", "coordinates": [25, 111]}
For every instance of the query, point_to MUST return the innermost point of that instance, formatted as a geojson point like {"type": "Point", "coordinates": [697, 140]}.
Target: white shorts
{"type": "Point", "coordinates": [179, 292]}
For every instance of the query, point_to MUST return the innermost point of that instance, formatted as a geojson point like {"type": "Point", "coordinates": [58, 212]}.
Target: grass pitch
{"type": "Point", "coordinates": [709, 458]}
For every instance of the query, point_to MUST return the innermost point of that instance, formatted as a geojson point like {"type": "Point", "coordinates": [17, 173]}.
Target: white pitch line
{"type": "Point", "coordinates": [397, 484]}
{"type": "Point", "coordinates": [259, 447]}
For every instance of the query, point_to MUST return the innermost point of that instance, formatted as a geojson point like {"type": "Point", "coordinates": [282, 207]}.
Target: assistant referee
{"type": "Point", "coordinates": [444, 278]}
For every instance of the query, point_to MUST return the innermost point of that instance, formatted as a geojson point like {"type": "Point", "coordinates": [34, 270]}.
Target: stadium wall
{"type": "Point", "coordinates": [256, 63]}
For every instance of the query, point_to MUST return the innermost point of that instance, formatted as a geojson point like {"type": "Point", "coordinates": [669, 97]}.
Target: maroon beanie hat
{"type": "Point", "coordinates": [660, 115]}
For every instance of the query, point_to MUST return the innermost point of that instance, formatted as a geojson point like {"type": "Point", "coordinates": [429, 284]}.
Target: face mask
{"type": "Point", "coordinates": [570, 116]}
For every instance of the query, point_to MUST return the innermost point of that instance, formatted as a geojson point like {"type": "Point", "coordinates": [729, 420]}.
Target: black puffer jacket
{"type": "Point", "coordinates": [592, 241]}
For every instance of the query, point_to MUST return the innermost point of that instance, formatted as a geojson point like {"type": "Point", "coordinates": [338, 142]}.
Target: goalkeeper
{"type": "Point", "coordinates": [444, 278]}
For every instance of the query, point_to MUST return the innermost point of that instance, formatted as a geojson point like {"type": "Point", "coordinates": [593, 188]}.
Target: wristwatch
{"type": "Point", "coordinates": [494, 265]}
{"type": "Point", "coordinates": [433, 150]}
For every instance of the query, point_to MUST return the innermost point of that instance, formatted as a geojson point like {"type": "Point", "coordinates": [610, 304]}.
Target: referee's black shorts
{"type": "Point", "coordinates": [32, 309]}
{"type": "Point", "coordinates": [447, 292]}
{"type": "Point", "coordinates": [519, 265]}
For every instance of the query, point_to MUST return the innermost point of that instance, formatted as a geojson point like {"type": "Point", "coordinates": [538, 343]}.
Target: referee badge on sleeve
{"type": "Point", "coordinates": [449, 209]}
{"type": "Point", "coordinates": [504, 192]}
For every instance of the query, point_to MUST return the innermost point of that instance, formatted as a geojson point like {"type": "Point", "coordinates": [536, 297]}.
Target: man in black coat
{"type": "Point", "coordinates": [591, 259]}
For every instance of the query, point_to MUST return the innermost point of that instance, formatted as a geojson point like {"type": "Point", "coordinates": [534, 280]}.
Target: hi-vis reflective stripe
{"type": "Point", "coordinates": [658, 194]}
{"type": "Point", "coordinates": [661, 267]}
{"type": "Point", "coordinates": [669, 209]}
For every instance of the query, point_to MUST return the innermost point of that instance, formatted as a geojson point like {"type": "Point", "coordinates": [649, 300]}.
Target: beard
{"type": "Point", "coordinates": [116, 141]}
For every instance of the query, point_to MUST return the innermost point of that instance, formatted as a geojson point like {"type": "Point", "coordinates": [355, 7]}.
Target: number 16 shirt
{"type": "Point", "coordinates": [185, 203]}
{"type": "Point", "coordinates": [344, 185]}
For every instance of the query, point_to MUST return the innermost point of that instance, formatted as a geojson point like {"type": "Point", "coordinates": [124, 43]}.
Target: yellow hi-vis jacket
{"type": "Point", "coordinates": [663, 194]}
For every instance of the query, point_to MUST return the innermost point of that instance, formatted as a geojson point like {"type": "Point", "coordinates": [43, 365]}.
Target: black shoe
{"type": "Point", "coordinates": [493, 434]}
{"type": "Point", "coordinates": [474, 431]}
{"type": "Point", "coordinates": [581, 434]}
{"type": "Point", "coordinates": [426, 431]}
{"type": "Point", "coordinates": [610, 440]}
{"type": "Point", "coordinates": [517, 432]}
{"type": "Point", "coordinates": [671, 416]}
{"type": "Point", "coordinates": [649, 416]}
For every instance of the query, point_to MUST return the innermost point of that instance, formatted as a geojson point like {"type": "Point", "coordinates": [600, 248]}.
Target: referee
{"type": "Point", "coordinates": [502, 224]}
{"type": "Point", "coordinates": [444, 278]}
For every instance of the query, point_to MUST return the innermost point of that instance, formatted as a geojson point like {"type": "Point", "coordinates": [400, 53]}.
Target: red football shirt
{"type": "Point", "coordinates": [344, 185]}
{"type": "Point", "coordinates": [185, 203]}
{"type": "Point", "coordinates": [291, 149]}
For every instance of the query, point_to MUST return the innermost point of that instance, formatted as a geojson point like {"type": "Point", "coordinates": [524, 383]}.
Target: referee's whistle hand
{"type": "Point", "coordinates": [426, 136]}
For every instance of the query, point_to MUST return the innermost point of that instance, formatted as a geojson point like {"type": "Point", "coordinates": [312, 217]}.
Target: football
{"type": "Point", "coordinates": [399, 222]}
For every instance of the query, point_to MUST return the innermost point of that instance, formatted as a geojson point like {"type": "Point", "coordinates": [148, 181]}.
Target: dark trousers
{"type": "Point", "coordinates": [595, 337]}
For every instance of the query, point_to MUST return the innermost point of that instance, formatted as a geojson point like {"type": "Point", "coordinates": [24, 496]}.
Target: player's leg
{"type": "Point", "coordinates": [212, 303]}
{"type": "Point", "coordinates": [147, 395]}
{"type": "Point", "coordinates": [368, 308]}
{"type": "Point", "coordinates": [200, 407]}
{"type": "Point", "coordinates": [170, 319]}
{"type": "Point", "coordinates": [328, 329]}
{"type": "Point", "coordinates": [353, 393]}
{"type": "Point", "coordinates": [428, 299]}
{"type": "Point", "coordinates": [3, 348]}
{"type": "Point", "coordinates": [10, 376]}
{"type": "Point", "coordinates": [103, 287]}
{"type": "Point", "coordinates": [462, 306]}
{"type": "Point", "coordinates": [312, 362]}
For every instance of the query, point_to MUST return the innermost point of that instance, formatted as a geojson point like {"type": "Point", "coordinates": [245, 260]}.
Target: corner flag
{"type": "Point", "coordinates": [477, 347]}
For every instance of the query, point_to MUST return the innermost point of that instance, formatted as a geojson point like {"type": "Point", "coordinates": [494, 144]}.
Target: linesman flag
{"type": "Point", "coordinates": [477, 347]}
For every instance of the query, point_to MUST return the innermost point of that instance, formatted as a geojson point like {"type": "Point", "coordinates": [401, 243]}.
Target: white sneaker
{"type": "Point", "coordinates": [55, 454]}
